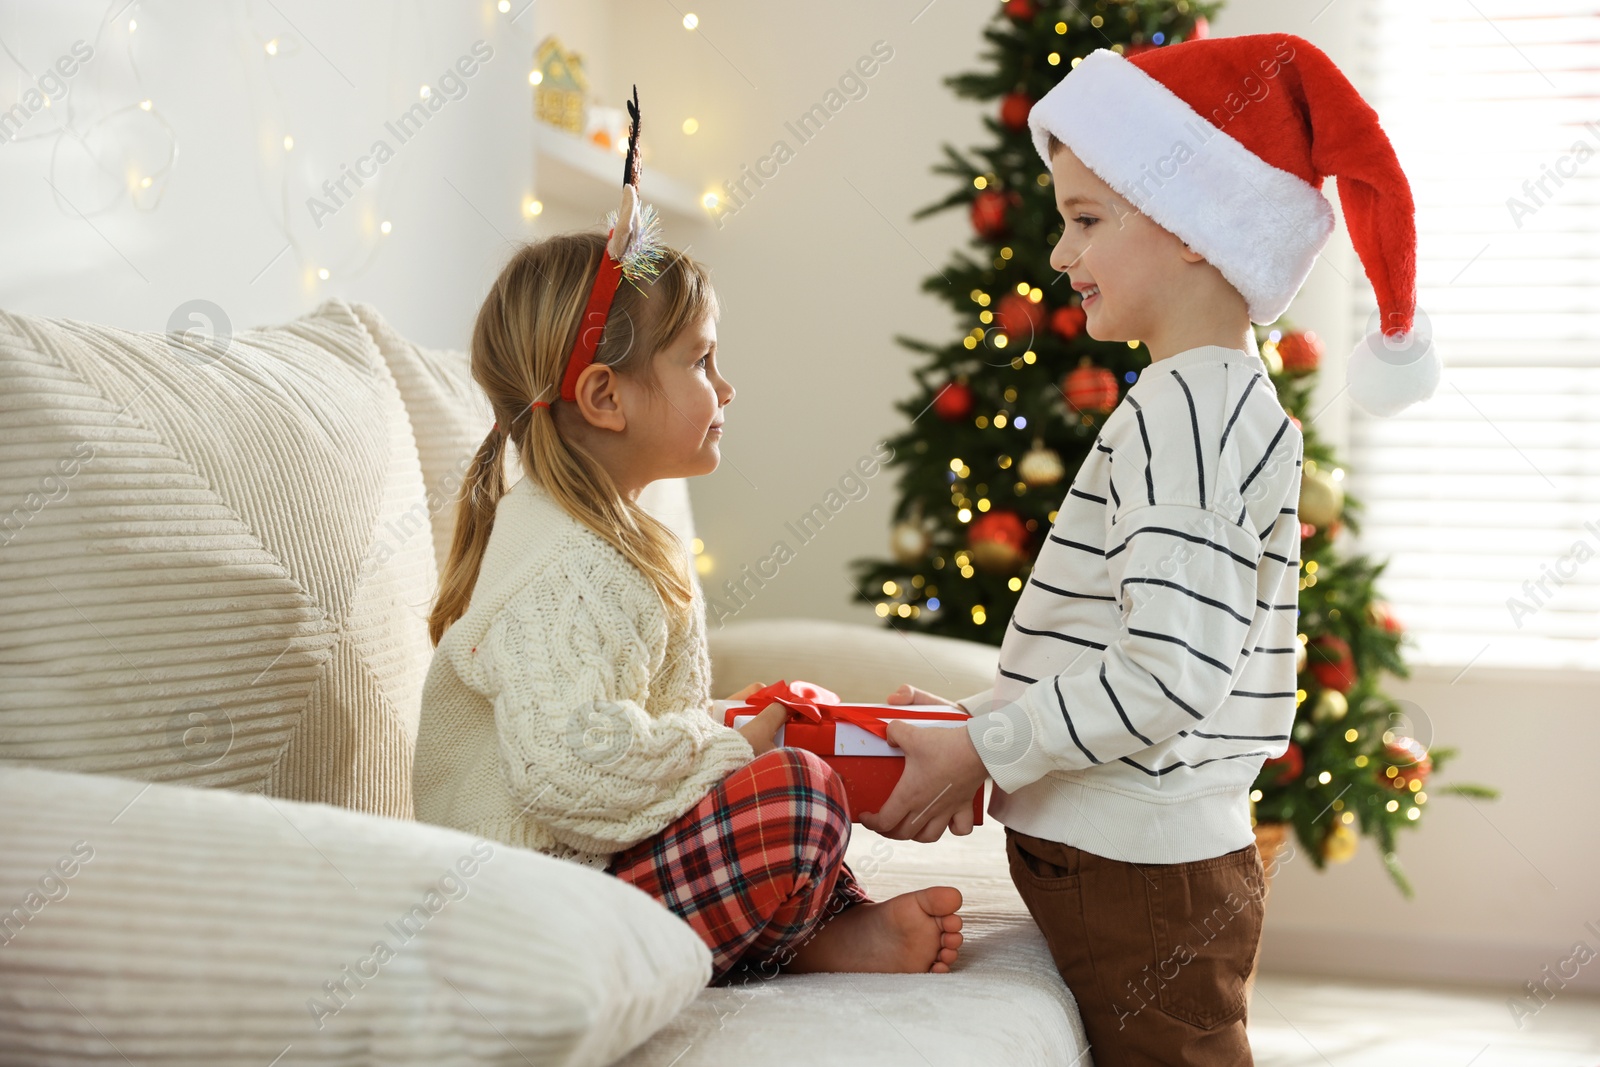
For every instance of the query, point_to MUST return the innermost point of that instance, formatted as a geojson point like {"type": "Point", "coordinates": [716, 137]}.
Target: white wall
{"type": "Point", "coordinates": [816, 274]}
{"type": "Point", "coordinates": [226, 212]}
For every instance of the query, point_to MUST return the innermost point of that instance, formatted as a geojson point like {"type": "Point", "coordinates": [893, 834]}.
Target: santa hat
{"type": "Point", "coordinates": [1224, 142]}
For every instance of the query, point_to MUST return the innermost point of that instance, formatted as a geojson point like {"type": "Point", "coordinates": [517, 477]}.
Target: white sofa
{"type": "Point", "coordinates": [217, 558]}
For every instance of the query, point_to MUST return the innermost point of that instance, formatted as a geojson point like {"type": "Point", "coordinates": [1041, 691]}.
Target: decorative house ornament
{"type": "Point", "coordinates": [558, 96]}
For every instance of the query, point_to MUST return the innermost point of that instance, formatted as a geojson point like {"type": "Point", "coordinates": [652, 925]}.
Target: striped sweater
{"type": "Point", "coordinates": [1149, 666]}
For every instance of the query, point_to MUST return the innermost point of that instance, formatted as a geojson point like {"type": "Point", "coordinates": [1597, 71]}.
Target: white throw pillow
{"type": "Point", "coordinates": [450, 417]}
{"type": "Point", "coordinates": [164, 924]}
{"type": "Point", "coordinates": [214, 558]}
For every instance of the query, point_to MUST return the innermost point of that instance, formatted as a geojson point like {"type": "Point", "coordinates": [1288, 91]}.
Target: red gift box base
{"type": "Point", "coordinates": [868, 781]}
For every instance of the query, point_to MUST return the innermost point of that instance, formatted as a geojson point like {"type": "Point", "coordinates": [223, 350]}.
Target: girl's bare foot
{"type": "Point", "coordinates": [912, 933]}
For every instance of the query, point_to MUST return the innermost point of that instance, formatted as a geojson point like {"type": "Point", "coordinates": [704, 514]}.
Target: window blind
{"type": "Point", "coordinates": [1486, 499]}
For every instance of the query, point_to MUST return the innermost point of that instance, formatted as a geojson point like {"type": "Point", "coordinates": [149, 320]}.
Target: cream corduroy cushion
{"type": "Point", "coordinates": [195, 560]}
{"type": "Point", "coordinates": [210, 928]}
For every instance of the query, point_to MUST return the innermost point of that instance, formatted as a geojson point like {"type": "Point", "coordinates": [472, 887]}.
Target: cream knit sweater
{"type": "Point", "coordinates": [562, 712]}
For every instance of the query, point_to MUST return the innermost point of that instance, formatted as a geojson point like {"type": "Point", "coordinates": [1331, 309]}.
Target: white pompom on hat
{"type": "Point", "coordinates": [1225, 142]}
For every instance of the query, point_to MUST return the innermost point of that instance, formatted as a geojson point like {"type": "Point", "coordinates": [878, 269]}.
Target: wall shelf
{"type": "Point", "coordinates": [578, 174]}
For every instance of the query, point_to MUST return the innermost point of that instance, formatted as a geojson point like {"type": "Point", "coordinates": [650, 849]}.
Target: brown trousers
{"type": "Point", "coordinates": [1156, 954]}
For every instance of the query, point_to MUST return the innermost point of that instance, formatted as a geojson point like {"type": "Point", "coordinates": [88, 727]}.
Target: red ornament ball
{"type": "Point", "coordinates": [1301, 352]}
{"type": "Point", "coordinates": [1410, 761]}
{"type": "Point", "coordinates": [1021, 10]}
{"type": "Point", "coordinates": [1289, 766]}
{"type": "Point", "coordinates": [1202, 29]}
{"type": "Point", "coordinates": [1331, 663]}
{"type": "Point", "coordinates": [1383, 614]}
{"type": "Point", "coordinates": [1068, 321]}
{"type": "Point", "coordinates": [1018, 316]}
{"type": "Point", "coordinates": [1014, 108]}
{"type": "Point", "coordinates": [954, 402]}
{"type": "Point", "coordinates": [990, 213]}
{"type": "Point", "coordinates": [999, 541]}
{"type": "Point", "coordinates": [1090, 388]}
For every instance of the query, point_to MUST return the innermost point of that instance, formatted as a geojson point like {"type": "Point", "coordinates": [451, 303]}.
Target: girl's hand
{"type": "Point", "coordinates": [761, 730]}
{"type": "Point", "coordinates": [909, 694]}
{"type": "Point", "coordinates": [746, 691]}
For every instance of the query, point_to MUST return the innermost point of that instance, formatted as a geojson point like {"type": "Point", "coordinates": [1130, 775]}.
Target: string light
{"type": "Point", "coordinates": [690, 126]}
{"type": "Point", "coordinates": [280, 48]}
{"type": "Point", "coordinates": [691, 20]}
{"type": "Point", "coordinates": [139, 178]}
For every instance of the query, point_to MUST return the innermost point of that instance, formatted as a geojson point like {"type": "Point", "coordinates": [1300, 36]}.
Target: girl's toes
{"type": "Point", "coordinates": [941, 900]}
{"type": "Point", "coordinates": [940, 968]}
{"type": "Point", "coordinates": [947, 955]}
{"type": "Point", "coordinates": [950, 940]}
{"type": "Point", "coordinates": [951, 922]}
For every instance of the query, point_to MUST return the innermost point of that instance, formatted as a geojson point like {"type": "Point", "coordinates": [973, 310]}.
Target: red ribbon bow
{"type": "Point", "coordinates": [809, 702]}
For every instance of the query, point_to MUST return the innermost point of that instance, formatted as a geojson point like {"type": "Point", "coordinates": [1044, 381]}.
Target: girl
{"type": "Point", "coordinates": [567, 705]}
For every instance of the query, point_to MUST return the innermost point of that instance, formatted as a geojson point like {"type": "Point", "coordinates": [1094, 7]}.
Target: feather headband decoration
{"type": "Point", "coordinates": [633, 250]}
{"type": "Point", "coordinates": [640, 250]}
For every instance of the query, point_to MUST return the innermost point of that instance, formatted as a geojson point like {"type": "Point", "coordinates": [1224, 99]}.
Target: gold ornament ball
{"type": "Point", "coordinates": [1299, 656]}
{"type": "Point", "coordinates": [1340, 843]}
{"type": "Point", "coordinates": [995, 557]}
{"type": "Point", "coordinates": [1321, 499]}
{"type": "Point", "coordinates": [1041, 466]}
{"type": "Point", "coordinates": [909, 543]}
{"type": "Point", "coordinates": [1331, 706]}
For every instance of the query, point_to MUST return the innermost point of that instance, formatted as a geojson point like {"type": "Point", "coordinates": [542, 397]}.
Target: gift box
{"type": "Point", "coordinates": [851, 738]}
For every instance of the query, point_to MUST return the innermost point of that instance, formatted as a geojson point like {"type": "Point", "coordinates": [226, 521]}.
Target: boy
{"type": "Point", "coordinates": [1149, 667]}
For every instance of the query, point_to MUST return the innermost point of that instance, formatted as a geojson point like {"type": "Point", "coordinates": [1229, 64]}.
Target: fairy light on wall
{"type": "Point", "coordinates": [278, 53]}
{"type": "Point", "coordinates": [143, 185]}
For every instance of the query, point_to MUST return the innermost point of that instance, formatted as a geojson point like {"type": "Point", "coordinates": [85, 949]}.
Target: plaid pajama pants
{"type": "Point", "coordinates": [757, 864]}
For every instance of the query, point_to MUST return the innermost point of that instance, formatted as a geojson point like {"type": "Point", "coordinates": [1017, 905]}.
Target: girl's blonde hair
{"type": "Point", "coordinates": [520, 343]}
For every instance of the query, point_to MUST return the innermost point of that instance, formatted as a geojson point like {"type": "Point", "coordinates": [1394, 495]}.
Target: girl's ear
{"type": "Point", "coordinates": [598, 397]}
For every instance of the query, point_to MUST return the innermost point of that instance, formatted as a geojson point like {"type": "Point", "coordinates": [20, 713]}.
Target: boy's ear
{"type": "Point", "coordinates": [598, 398]}
{"type": "Point", "coordinates": [1191, 256]}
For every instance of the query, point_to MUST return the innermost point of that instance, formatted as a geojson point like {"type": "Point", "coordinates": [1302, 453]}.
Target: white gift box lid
{"type": "Point", "coordinates": [852, 740]}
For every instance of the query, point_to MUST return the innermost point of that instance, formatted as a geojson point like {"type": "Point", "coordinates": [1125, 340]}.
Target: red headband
{"type": "Point", "coordinates": [593, 323]}
{"type": "Point", "coordinates": [641, 251]}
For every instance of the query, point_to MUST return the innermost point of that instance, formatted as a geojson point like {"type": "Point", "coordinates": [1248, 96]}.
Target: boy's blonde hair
{"type": "Point", "coordinates": [524, 332]}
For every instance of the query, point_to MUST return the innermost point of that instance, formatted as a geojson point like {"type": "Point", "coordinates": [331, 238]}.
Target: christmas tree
{"type": "Point", "coordinates": [1004, 415]}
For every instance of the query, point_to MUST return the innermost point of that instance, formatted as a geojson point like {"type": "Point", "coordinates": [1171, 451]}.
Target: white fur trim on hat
{"type": "Point", "coordinates": [1260, 226]}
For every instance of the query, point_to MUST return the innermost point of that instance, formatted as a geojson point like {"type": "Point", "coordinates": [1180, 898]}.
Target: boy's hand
{"type": "Point", "coordinates": [935, 790]}
{"type": "Point", "coordinates": [746, 691]}
{"type": "Point", "coordinates": [910, 694]}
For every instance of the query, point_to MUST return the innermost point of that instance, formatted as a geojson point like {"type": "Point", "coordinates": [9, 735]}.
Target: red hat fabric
{"type": "Point", "coordinates": [1225, 143]}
